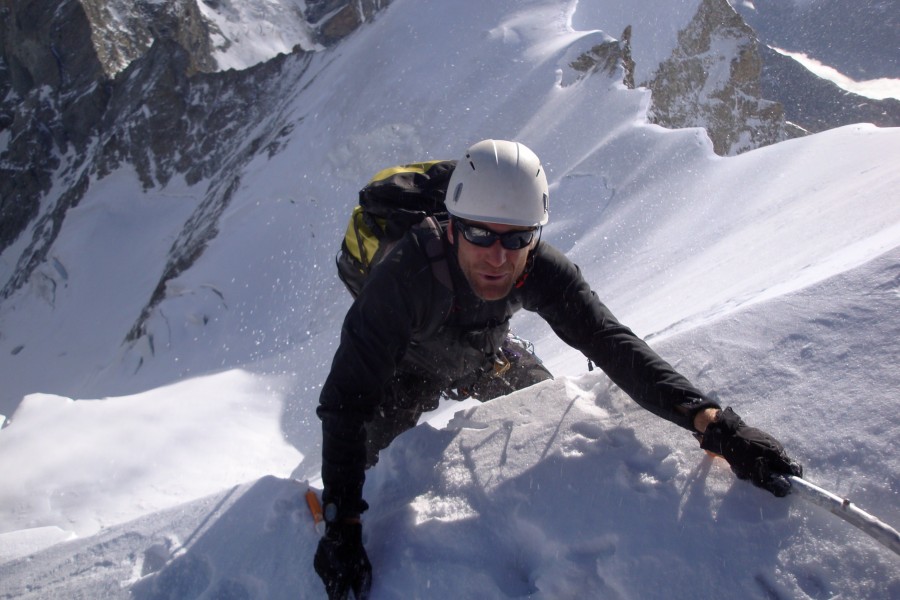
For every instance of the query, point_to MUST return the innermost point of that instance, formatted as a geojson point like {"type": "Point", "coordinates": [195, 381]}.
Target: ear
{"type": "Point", "coordinates": [450, 232]}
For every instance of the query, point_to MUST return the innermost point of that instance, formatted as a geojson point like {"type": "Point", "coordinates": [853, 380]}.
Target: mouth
{"type": "Point", "coordinates": [493, 276]}
{"type": "Point", "coordinates": [490, 285]}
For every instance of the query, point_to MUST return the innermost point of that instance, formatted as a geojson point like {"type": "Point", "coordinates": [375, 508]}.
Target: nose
{"type": "Point", "coordinates": [495, 255]}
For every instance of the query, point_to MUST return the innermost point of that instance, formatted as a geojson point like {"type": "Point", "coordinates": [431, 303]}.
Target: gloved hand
{"type": "Point", "coordinates": [342, 563]}
{"type": "Point", "coordinates": [751, 453]}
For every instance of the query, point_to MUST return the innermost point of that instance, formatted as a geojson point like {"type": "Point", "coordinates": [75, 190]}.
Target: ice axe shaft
{"type": "Point", "coordinates": [871, 525]}
{"type": "Point", "coordinates": [315, 510]}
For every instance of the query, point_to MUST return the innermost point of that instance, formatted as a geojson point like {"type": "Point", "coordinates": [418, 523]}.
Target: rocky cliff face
{"type": "Point", "coordinates": [336, 19]}
{"type": "Point", "coordinates": [859, 38]}
{"type": "Point", "coordinates": [55, 92]}
{"type": "Point", "coordinates": [713, 80]}
{"type": "Point", "coordinates": [88, 85]}
{"type": "Point", "coordinates": [608, 58]}
{"type": "Point", "coordinates": [813, 104]}
{"type": "Point", "coordinates": [765, 97]}
{"type": "Point", "coordinates": [124, 30]}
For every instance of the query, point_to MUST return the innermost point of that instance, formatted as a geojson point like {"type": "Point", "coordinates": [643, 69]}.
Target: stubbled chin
{"type": "Point", "coordinates": [493, 289]}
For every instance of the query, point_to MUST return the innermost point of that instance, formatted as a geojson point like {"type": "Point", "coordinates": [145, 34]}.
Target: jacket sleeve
{"type": "Point", "coordinates": [376, 332]}
{"type": "Point", "coordinates": [558, 292]}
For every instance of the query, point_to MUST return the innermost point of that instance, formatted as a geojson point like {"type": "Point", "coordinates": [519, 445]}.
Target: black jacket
{"type": "Point", "coordinates": [405, 320]}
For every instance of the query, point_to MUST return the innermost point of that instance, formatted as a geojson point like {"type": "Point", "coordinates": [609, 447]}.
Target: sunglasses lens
{"type": "Point", "coordinates": [516, 240]}
{"type": "Point", "coordinates": [485, 238]}
{"type": "Point", "coordinates": [477, 235]}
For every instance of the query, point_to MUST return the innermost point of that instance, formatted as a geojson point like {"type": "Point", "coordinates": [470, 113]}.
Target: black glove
{"type": "Point", "coordinates": [342, 563]}
{"type": "Point", "coordinates": [752, 454]}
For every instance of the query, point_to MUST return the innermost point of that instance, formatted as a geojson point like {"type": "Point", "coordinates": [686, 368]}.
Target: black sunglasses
{"type": "Point", "coordinates": [485, 238]}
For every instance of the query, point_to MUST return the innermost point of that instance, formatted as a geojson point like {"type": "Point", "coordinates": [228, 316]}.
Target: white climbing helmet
{"type": "Point", "coordinates": [499, 182]}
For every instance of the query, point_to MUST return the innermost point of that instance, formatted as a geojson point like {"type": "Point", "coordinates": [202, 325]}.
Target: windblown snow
{"type": "Point", "coordinates": [174, 467]}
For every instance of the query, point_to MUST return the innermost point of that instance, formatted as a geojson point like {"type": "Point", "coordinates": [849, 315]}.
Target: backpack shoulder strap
{"type": "Point", "coordinates": [430, 237]}
{"type": "Point", "coordinates": [431, 240]}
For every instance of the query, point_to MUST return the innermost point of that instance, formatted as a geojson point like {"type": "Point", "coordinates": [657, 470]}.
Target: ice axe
{"type": "Point", "coordinates": [754, 454]}
{"type": "Point", "coordinates": [871, 525]}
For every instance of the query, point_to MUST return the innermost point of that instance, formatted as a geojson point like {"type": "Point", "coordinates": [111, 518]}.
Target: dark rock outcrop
{"type": "Point", "coordinates": [607, 58]}
{"type": "Point", "coordinates": [815, 104]}
{"type": "Point", "coordinates": [712, 80]}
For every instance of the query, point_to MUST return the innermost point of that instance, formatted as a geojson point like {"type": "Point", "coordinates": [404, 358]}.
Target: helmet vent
{"type": "Point", "coordinates": [457, 192]}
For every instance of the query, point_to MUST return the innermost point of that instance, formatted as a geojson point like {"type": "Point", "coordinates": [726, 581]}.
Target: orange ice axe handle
{"type": "Point", "coordinates": [315, 509]}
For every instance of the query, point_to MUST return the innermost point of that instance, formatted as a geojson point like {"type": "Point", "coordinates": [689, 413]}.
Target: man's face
{"type": "Point", "coordinates": [491, 271]}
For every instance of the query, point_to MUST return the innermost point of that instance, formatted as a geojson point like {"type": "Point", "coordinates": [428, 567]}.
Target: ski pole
{"type": "Point", "coordinates": [843, 508]}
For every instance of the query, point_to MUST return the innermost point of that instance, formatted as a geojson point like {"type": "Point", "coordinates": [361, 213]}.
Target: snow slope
{"type": "Point", "coordinates": [569, 490]}
{"type": "Point", "coordinates": [771, 279]}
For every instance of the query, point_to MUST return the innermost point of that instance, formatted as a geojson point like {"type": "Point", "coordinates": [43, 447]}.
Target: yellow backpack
{"type": "Point", "coordinates": [397, 200]}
